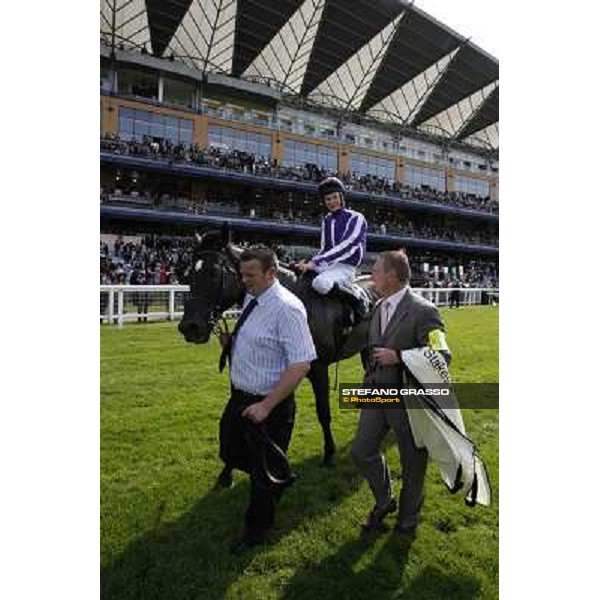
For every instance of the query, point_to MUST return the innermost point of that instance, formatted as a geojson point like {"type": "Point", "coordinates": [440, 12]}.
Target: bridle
{"type": "Point", "coordinates": [217, 323]}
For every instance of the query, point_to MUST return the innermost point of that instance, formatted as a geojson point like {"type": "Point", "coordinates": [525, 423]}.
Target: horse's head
{"type": "Point", "coordinates": [215, 286]}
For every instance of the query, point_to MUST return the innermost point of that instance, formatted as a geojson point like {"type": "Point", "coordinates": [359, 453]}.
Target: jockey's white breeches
{"type": "Point", "coordinates": [341, 274]}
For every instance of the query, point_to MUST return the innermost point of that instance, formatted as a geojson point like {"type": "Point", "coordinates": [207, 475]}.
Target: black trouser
{"type": "Point", "coordinates": [241, 448]}
{"type": "Point", "coordinates": [455, 299]}
{"type": "Point", "coordinates": [103, 303]}
{"type": "Point", "coordinates": [142, 302]}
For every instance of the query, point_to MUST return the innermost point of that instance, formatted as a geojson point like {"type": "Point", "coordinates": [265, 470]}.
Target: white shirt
{"type": "Point", "coordinates": [389, 306]}
{"type": "Point", "coordinates": [274, 337]}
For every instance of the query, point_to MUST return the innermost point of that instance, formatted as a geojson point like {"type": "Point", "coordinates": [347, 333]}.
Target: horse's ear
{"type": "Point", "coordinates": [233, 252]}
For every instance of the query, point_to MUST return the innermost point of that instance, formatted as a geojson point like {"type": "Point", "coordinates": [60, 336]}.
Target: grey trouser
{"type": "Point", "coordinates": [373, 424]}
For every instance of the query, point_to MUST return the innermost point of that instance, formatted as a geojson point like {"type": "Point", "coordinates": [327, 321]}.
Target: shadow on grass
{"type": "Point", "coordinates": [342, 575]}
{"type": "Point", "coordinates": [189, 557]}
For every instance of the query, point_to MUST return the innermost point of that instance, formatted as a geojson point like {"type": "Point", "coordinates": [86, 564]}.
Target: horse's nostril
{"type": "Point", "coordinates": [190, 330]}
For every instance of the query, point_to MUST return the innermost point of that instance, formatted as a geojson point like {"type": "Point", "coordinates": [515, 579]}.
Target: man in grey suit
{"type": "Point", "coordinates": [401, 320]}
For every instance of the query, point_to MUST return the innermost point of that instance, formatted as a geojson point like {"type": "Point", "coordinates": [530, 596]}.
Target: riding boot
{"type": "Point", "coordinates": [348, 298]}
{"type": "Point", "coordinates": [358, 306]}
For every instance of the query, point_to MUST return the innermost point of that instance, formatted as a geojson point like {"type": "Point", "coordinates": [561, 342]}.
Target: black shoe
{"type": "Point", "coordinates": [376, 516]}
{"type": "Point", "coordinates": [408, 532]}
{"type": "Point", "coordinates": [243, 546]}
{"type": "Point", "coordinates": [225, 479]}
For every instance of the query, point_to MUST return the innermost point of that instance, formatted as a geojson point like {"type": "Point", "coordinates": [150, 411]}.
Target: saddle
{"type": "Point", "coordinates": [356, 301]}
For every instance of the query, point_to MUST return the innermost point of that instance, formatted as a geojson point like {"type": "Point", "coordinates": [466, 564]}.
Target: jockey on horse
{"type": "Point", "coordinates": [343, 245]}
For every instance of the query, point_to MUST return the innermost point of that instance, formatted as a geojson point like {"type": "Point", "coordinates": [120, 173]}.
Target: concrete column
{"type": "Point", "coordinates": [400, 173]}
{"type": "Point", "coordinates": [200, 134]}
{"type": "Point", "coordinates": [277, 140]}
{"type": "Point", "coordinates": [160, 88]}
{"type": "Point", "coordinates": [494, 189]}
{"type": "Point", "coordinates": [110, 114]}
{"type": "Point", "coordinates": [450, 184]}
{"type": "Point", "coordinates": [343, 158]}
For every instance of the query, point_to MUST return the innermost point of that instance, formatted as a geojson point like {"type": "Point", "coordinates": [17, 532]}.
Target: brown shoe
{"type": "Point", "coordinates": [376, 516]}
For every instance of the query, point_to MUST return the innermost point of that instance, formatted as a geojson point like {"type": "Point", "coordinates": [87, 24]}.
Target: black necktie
{"type": "Point", "coordinates": [226, 352]}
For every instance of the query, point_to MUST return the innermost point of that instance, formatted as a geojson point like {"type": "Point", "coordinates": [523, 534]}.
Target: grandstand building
{"type": "Point", "coordinates": [215, 110]}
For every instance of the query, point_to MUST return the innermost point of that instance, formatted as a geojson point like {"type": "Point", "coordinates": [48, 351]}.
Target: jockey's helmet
{"type": "Point", "coordinates": [330, 185]}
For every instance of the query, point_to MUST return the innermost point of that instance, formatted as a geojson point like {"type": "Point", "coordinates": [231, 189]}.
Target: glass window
{"type": "Point", "coordinates": [285, 124]}
{"type": "Point", "coordinates": [171, 133]}
{"type": "Point", "coordinates": [422, 176]}
{"type": "Point", "coordinates": [179, 92]}
{"type": "Point", "coordinates": [468, 185]}
{"type": "Point", "coordinates": [237, 113]}
{"type": "Point", "coordinates": [236, 139]}
{"type": "Point", "coordinates": [170, 129]}
{"type": "Point", "coordinates": [157, 125]}
{"type": "Point", "coordinates": [363, 164]}
{"type": "Point", "coordinates": [171, 122]}
{"type": "Point", "coordinates": [142, 128]}
{"type": "Point", "coordinates": [185, 135]}
{"type": "Point", "coordinates": [126, 120]}
{"type": "Point", "coordinates": [105, 79]}
{"type": "Point", "coordinates": [299, 154]}
{"type": "Point", "coordinates": [260, 118]}
{"type": "Point", "coordinates": [138, 83]}
{"type": "Point", "coordinates": [135, 123]}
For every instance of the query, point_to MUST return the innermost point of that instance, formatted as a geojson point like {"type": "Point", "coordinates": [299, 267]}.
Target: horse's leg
{"type": "Point", "coordinates": [319, 378]}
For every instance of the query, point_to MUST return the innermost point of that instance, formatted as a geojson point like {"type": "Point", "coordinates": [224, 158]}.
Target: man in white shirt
{"type": "Point", "coordinates": [270, 351]}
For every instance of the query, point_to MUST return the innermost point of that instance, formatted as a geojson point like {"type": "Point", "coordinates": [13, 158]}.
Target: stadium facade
{"type": "Point", "coordinates": [233, 109]}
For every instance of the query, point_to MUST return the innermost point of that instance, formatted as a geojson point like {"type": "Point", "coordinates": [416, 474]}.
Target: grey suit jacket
{"type": "Point", "coordinates": [408, 328]}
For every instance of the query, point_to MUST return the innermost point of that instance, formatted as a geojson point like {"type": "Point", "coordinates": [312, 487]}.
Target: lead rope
{"type": "Point", "coordinates": [337, 368]}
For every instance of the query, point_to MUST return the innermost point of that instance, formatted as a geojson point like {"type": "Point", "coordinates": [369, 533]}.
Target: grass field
{"type": "Point", "coordinates": [165, 532]}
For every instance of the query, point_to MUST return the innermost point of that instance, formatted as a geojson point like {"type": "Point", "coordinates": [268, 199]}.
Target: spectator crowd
{"type": "Point", "coordinates": [152, 260]}
{"type": "Point", "coordinates": [279, 209]}
{"type": "Point", "coordinates": [162, 260]}
{"type": "Point", "coordinates": [236, 160]}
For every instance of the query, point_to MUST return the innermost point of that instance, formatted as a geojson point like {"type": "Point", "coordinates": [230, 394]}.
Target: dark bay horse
{"type": "Point", "coordinates": [216, 286]}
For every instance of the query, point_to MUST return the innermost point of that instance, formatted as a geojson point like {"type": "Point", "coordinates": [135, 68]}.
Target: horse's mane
{"type": "Point", "coordinates": [286, 275]}
{"type": "Point", "coordinates": [212, 240]}
{"type": "Point", "coordinates": [364, 281]}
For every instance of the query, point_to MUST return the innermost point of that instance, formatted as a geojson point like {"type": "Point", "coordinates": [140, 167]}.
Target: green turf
{"type": "Point", "coordinates": [165, 533]}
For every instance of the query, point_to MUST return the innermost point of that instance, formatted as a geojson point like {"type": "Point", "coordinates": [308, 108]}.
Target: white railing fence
{"type": "Point", "coordinates": [130, 303]}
